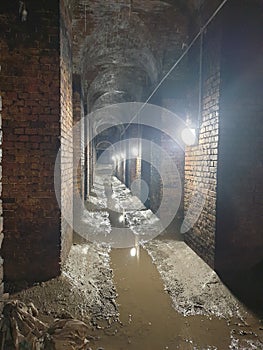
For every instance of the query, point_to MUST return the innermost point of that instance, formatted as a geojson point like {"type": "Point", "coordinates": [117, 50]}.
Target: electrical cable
{"type": "Point", "coordinates": [200, 81]}
{"type": "Point", "coordinates": [176, 63]}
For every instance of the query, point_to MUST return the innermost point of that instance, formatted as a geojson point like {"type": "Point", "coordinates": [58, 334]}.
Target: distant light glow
{"type": "Point", "coordinates": [134, 151]}
{"type": "Point", "coordinates": [140, 189]}
{"type": "Point", "coordinates": [188, 136]}
{"type": "Point", "coordinates": [121, 218]}
{"type": "Point", "coordinates": [133, 251]}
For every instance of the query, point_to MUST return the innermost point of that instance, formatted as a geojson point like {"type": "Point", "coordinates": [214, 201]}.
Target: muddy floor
{"type": "Point", "coordinates": [153, 296]}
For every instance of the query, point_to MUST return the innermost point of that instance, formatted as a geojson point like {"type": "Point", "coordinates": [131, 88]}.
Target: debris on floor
{"type": "Point", "coordinates": [68, 334]}
{"type": "Point", "coordinates": [21, 329]}
{"type": "Point", "coordinates": [79, 310]}
{"type": "Point", "coordinates": [95, 225]}
{"type": "Point", "coordinates": [193, 286]}
{"type": "Point", "coordinates": [84, 291]}
{"type": "Point", "coordinates": [88, 269]}
{"type": "Point", "coordinates": [82, 300]}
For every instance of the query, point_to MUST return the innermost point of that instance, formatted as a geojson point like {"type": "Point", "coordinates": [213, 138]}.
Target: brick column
{"type": "Point", "coordinates": [36, 116]}
{"type": "Point", "coordinates": [1, 208]}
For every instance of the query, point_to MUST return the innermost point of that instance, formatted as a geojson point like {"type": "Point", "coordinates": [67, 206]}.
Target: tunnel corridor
{"type": "Point", "coordinates": [192, 314]}
{"type": "Point", "coordinates": [131, 173]}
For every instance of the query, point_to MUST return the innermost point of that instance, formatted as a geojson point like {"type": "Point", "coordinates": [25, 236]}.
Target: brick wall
{"type": "Point", "coordinates": [155, 188]}
{"type": "Point", "coordinates": [87, 155]}
{"type": "Point", "coordinates": [31, 129]}
{"type": "Point", "coordinates": [174, 99]}
{"type": "Point", "coordinates": [133, 166]}
{"type": "Point", "coordinates": [172, 190]}
{"type": "Point", "coordinates": [1, 208]}
{"type": "Point", "coordinates": [226, 165]}
{"type": "Point", "coordinates": [66, 124]}
{"type": "Point", "coordinates": [79, 146]}
{"type": "Point", "coordinates": [201, 159]}
{"type": "Point", "coordinates": [35, 118]}
{"type": "Point", "coordinates": [154, 168]}
{"type": "Point", "coordinates": [77, 113]}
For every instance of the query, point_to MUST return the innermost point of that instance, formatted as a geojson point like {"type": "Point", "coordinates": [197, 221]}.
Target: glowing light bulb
{"type": "Point", "coordinates": [188, 136]}
{"type": "Point", "coordinates": [133, 252]}
{"type": "Point", "coordinates": [24, 15]}
{"type": "Point", "coordinates": [134, 151]}
{"type": "Point", "coordinates": [121, 218]}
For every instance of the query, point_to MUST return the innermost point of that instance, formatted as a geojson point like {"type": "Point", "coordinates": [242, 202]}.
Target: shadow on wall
{"type": "Point", "coordinates": [239, 239]}
{"type": "Point", "coordinates": [234, 263]}
{"type": "Point", "coordinates": [247, 286]}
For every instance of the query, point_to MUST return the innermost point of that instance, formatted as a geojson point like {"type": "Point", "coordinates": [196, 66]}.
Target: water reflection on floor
{"type": "Point", "coordinates": [149, 320]}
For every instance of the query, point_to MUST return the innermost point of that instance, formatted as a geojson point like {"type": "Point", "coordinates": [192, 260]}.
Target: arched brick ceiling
{"type": "Point", "coordinates": [122, 47]}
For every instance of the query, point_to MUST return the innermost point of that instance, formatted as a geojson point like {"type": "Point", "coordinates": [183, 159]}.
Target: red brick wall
{"type": "Point", "coordinates": [31, 129]}
{"type": "Point", "coordinates": [87, 156]}
{"type": "Point", "coordinates": [228, 158]}
{"type": "Point", "coordinates": [133, 166]}
{"type": "Point", "coordinates": [66, 124]}
{"type": "Point", "coordinates": [37, 114]}
{"type": "Point", "coordinates": [1, 208]}
{"type": "Point", "coordinates": [201, 159]}
{"type": "Point", "coordinates": [79, 146]}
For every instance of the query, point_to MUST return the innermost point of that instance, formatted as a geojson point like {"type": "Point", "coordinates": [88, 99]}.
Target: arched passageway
{"type": "Point", "coordinates": [144, 115]}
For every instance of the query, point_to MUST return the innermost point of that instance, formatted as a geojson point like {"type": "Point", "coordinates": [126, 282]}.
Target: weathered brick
{"type": "Point", "coordinates": [28, 99]}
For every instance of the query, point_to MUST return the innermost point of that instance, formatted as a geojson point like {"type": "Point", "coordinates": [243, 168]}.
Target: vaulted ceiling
{"type": "Point", "coordinates": [122, 47]}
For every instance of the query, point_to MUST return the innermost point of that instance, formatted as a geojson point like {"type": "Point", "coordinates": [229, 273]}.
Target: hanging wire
{"type": "Point", "coordinates": [85, 15]}
{"type": "Point", "coordinates": [177, 62]}
{"type": "Point", "coordinates": [200, 92]}
{"type": "Point", "coordinates": [130, 8]}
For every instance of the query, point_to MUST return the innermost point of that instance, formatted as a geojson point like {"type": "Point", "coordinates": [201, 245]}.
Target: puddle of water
{"type": "Point", "coordinates": [148, 319]}
{"type": "Point", "coordinates": [146, 312]}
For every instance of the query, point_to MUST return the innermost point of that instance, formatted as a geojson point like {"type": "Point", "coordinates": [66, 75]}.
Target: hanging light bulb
{"type": "Point", "coordinates": [134, 151]}
{"type": "Point", "coordinates": [24, 15]}
{"type": "Point", "coordinates": [22, 11]}
{"type": "Point", "coordinates": [121, 219]}
{"type": "Point", "coordinates": [188, 134]}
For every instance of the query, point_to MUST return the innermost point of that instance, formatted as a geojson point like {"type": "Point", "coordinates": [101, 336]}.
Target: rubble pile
{"type": "Point", "coordinates": [20, 329]}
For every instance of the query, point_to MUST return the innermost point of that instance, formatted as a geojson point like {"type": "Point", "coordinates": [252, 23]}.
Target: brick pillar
{"type": "Point", "coordinates": [172, 191]}
{"type": "Point", "coordinates": [36, 116]}
{"type": "Point", "coordinates": [1, 208]}
{"type": "Point", "coordinates": [66, 129]}
{"type": "Point", "coordinates": [201, 159]}
{"type": "Point", "coordinates": [134, 152]}
{"type": "Point", "coordinates": [79, 144]}
{"type": "Point", "coordinates": [239, 239]}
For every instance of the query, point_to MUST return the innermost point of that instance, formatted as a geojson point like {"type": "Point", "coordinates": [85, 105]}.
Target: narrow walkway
{"type": "Point", "coordinates": [149, 320]}
{"type": "Point", "coordinates": [154, 296]}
